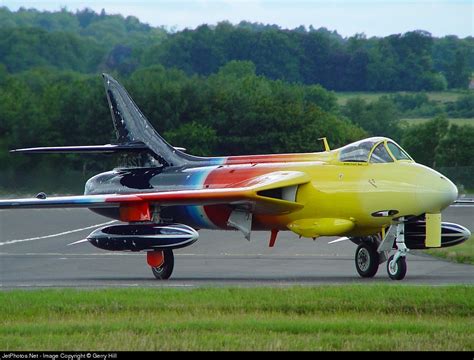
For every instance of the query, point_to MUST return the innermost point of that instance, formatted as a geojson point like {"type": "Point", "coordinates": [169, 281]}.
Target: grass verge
{"type": "Point", "coordinates": [463, 253]}
{"type": "Point", "coordinates": [372, 317]}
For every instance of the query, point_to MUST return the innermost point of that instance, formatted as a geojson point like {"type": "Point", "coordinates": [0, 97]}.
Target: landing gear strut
{"type": "Point", "coordinates": [397, 264]}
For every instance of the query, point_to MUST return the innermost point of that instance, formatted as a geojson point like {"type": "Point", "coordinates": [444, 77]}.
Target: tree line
{"type": "Point", "coordinates": [90, 42]}
{"type": "Point", "coordinates": [201, 92]}
{"type": "Point", "coordinates": [412, 61]}
{"type": "Point", "coordinates": [234, 111]}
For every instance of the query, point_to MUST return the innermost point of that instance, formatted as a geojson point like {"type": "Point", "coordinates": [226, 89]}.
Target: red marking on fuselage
{"type": "Point", "coordinates": [224, 177]}
{"type": "Point", "coordinates": [227, 176]}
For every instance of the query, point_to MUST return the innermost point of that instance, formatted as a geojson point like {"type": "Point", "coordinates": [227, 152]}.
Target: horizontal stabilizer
{"type": "Point", "coordinates": [100, 149]}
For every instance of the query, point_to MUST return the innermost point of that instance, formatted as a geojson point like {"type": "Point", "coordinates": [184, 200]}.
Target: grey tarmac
{"type": "Point", "coordinates": [30, 258]}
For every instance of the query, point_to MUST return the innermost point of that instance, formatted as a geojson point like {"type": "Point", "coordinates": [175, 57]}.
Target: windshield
{"type": "Point", "coordinates": [380, 154]}
{"type": "Point", "coordinates": [397, 152]}
{"type": "Point", "coordinates": [380, 150]}
{"type": "Point", "coordinates": [358, 151]}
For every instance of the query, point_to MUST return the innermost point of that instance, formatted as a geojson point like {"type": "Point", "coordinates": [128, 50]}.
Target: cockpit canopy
{"type": "Point", "coordinates": [374, 150]}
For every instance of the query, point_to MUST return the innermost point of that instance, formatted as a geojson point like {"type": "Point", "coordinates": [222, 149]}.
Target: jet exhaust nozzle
{"type": "Point", "coordinates": [143, 237]}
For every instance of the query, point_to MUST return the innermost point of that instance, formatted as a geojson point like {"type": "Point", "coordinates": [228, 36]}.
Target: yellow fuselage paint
{"type": "Point", "coordinates": [344, 198]}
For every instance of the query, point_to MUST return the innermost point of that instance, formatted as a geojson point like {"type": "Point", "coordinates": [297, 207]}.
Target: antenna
{"type": "Point", "coordinates": [325, 142]}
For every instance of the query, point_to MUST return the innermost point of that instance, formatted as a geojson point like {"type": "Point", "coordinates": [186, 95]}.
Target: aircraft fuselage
{"type": "Point", "coordinates": [368, 195]}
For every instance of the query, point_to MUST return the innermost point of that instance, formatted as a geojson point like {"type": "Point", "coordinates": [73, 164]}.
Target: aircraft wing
{"type": "Point", "coordinates": [263, 194]}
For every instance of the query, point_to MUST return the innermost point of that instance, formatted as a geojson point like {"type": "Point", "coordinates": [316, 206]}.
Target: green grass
{"type": "Point", "coordinates": [439, 96]}
{"type": "Point", "coordinates": [364, 317]}
{"type": "Point", "coordinates": [463, 253]}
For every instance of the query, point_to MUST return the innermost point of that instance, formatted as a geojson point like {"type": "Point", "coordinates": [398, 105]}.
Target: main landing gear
{"type": "Point", "coordinates": [367, 258]}
{"type": "Point", "coordinates": [161, 263]}
{"type": "Point", "coordinates": [373, 251]}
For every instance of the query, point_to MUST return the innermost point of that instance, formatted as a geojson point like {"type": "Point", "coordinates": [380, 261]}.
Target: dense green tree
{"type": "Point", "coordinates": [458, 72]}
{"type": "Point", "coordinates": [23, 48]}
{"type": "Point", "coordinates": [196, 138]}
{"type": "Point", "coordinates": [397, 62]}
{"type": "Point", "coordinates": [379, 118]}
{"type": "Point", "coordinates": [423, 141]}
{"type": "Point", "coordinates": [87, 41]}
{"type": "Point", "coordinates": [457, 147]}
{"type": "Point", "coordinates": [454, 58]}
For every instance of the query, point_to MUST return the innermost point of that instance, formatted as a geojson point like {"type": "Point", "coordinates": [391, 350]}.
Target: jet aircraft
{"type": "Point", "coordinates": [370, 192]}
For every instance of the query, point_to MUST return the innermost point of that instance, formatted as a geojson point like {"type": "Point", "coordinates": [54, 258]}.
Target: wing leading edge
{"type": "Point", "coordinates": [247, 194]}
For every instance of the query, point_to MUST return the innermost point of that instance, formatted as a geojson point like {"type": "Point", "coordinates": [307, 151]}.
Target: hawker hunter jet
{"type": "Point", "coordinates": [370, 192]}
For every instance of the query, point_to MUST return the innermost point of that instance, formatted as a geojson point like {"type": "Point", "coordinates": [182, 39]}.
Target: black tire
{"type": "Point", "coordinates": [397, 271]}
{"type": "Point", "coordinates": [367, 260]}
{"type": "Point", "coordinates": [164, 271]}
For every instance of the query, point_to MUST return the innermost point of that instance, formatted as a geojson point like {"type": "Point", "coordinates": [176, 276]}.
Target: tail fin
{"type": "Point", "coordinates": [134, 133]}
{"type": "Point", "coordinates": [131, 126]}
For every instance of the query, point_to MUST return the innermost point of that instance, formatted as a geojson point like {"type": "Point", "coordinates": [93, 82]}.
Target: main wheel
{"type": "Point", "coordinates": [397, 270]}
{"type": "Point", "coordinates": [367, 260]}
{"type": "Point", "coordinates": [165, 270]}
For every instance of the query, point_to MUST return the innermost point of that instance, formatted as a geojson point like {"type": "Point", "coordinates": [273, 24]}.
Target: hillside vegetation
{"type": "Point", "coordinates": [89, 42]}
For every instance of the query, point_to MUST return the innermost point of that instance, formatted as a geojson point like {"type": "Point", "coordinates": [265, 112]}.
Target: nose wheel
{"type": "Point", "coordinates": [396, 268]}
{"type": "Point", "coordinates": [397, 263]}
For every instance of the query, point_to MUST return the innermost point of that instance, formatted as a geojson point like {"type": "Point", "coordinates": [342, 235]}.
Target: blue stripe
{"type": "Point", "coordinates": [193, 212]}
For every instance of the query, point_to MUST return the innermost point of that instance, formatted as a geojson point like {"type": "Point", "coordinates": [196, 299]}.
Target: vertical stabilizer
{"type": "Point", "coordinates": [131, 126]}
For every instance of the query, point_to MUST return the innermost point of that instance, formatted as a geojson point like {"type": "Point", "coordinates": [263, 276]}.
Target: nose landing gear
{"type": "Point", "coordinates": [373, 251]}
{"type": "Point", "coordinates": [397, 263]}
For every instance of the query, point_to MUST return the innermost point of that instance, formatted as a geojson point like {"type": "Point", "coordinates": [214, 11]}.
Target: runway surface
{"type": "Point", "coordinates": [30, 259]}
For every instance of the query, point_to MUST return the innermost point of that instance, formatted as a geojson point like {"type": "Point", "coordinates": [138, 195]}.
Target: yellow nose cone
{"type": "Point", "coordinates": [435, 191]}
